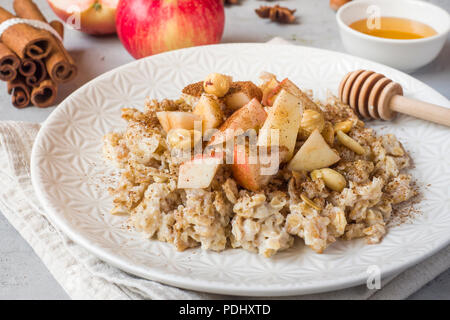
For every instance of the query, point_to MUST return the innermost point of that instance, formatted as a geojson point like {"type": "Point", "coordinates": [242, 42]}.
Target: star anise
{"type": "Point", "coordinates": [276, 14]}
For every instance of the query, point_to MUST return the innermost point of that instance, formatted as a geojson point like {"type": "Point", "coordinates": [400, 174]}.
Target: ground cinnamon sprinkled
{"type": "Point", "coordinates": [194, 89]}
{"type": "Point", "coordinates": [248, 87]}
{"type": "Point", "coordinates": [101, 179]}
{"type": "Point", "coordinates": [407, 211]}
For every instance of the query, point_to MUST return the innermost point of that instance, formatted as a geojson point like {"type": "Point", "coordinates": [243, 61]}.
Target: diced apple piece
{"type": "Point", "coordinates": [182, 120]}
{"type": "Point", "coordinates": [250, 116]}
{"type": "Point", "coordinates": [284, 116]}
{"type": "Point", "coordinates": [307, 103]}
{"type": "Point", "coordinates": [315, 153]}
{"type": "Point", "coordinates": [192, 93]}
{"type": "Point", "coordinates": [241, 93]}
{"type": "Point", "coordinates": [254, 174]}
{"type": "Point", "coordinates": [199, 172]}
{"type": "Point", "coordinates": [163, 120]}
{"type": "Point", "coordinates": [290, 87]}
{"type": "Point", "coordinates": [269, 88]}
{"type": "Point", "coordinates": [271, 96]}
{"type": "Point", "coordinates": [208, 109]}
{"type": "Point", "coordinates": [265, 77]}
{"type": "Point", "coordinates": [177, 120]}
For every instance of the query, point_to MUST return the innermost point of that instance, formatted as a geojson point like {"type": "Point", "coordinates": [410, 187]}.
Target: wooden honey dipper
{"type": "Point", "coordinates": [372, 95]}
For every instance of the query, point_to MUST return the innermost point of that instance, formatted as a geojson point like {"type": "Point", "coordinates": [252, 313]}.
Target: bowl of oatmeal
{"type": "Point", "coordinates": [135, 167]}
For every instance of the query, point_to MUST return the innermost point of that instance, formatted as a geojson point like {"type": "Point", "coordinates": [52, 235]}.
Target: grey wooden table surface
{"type": "Point", "coordinates": [23, 275]}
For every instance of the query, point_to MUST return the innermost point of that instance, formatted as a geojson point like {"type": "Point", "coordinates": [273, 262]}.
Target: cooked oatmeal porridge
{"type": "Point", "coordinates": [333, 178]}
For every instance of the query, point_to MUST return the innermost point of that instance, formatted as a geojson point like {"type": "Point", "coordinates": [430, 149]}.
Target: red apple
{"type": "Point", "coordinates": [95, 17]}
{"type": "Point", "coordinates": [147, 27]}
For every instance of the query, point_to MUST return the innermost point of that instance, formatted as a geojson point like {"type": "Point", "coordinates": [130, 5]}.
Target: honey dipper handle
{"type": "Point", "coordinates": [421, 110]}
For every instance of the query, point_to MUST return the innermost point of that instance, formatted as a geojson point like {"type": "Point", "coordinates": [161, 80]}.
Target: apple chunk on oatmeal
{"type": "Point", "coordinates": [194, 171]}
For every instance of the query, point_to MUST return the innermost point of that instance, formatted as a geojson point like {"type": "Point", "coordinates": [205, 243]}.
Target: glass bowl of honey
{"type": "Point", "coordinates": [404, 34]}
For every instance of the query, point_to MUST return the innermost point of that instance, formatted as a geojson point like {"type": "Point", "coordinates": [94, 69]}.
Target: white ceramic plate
{"type": "Point", "coordinates": [71, 179]}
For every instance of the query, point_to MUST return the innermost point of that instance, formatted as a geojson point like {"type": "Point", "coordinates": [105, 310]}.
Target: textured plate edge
{"type": "Point", "coordinates": [205, 286]}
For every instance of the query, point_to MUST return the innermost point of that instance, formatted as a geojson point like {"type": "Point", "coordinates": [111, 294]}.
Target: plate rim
{"type": "Point", "coordinates": [205, 285]}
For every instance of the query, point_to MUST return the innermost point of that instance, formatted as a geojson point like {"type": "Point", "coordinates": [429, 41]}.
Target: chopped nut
{"type": "Point", "coordinates": [311, 120]}
{"type": "Point", "coordinates": [182, 138]}
{"type": "Point", "coordinates": [328, 133]}
{"type": "Point", "coordinates": [350, 143]}
{"type": "Point", "coordinates": [332, 179]}
{"type": "Point", "coordinates": [344, 126]}
{"type": "Point", "coordinates": [309, 202]}
{"type": "Point", "coordinates": [217, 84]}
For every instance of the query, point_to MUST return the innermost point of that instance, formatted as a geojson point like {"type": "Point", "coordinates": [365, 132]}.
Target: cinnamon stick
{"type": "Point", "coordinates": [24, 40]}
{"type": "Point", "coordinates": [9, 63]}
{"type": "Point", "coordinates": [60, 65]}
{"type": "Point", "coordinates": [20, 92]}
{"type": "Point", "coordinates": [27, 67]}
{"type": "Point", "coordinates": [59, 27]}
{"type": "Point", "coordinates": [33, 71]}
{"type": "Point", "coordinates": [44, 95]}
{"type": "Point", "coordinates": [28, 9]}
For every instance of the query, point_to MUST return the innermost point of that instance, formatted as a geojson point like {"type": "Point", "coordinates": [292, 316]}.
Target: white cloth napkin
{"type": "Point", "coordinates": [83, 276]}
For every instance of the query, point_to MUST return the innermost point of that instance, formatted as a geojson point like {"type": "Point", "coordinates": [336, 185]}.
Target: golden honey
{"type": "Point", "coordinates": [393, 28]}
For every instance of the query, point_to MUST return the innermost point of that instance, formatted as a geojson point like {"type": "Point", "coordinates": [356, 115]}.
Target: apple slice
{"type": "Point", "coordinates": [177, 120]}
{"type": "Point", "coordinates": [208, 109]}
{"type": "Point", "coordinates": [199, 172]}
{"type": "Point", "coordinates": [254, 171]}
{"type": "Point", "coordinates": [250, 116]}
{"type": "Point", "coordinates": [284, 116]}
{"type": "Point", "coordinates": [241, 93]}
{"type": "Point", "coordinates": [315, 153]}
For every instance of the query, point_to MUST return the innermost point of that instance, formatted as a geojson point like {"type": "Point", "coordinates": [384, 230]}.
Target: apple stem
{"type": "Point", "coordinates": [97, 6]}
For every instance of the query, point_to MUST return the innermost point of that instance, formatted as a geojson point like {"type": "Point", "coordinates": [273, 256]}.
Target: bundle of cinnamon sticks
{"type": "Point", "coordinates": [33, 61]}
